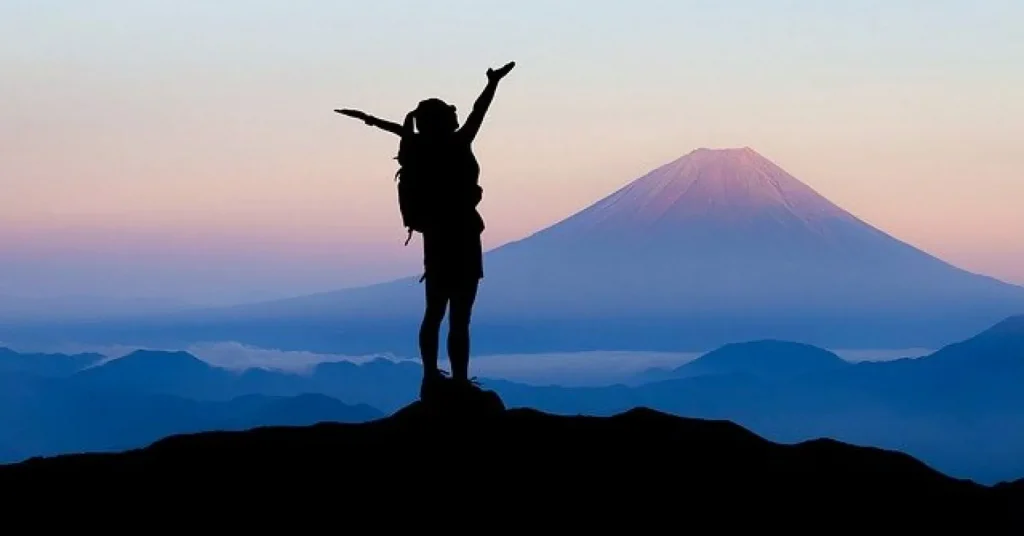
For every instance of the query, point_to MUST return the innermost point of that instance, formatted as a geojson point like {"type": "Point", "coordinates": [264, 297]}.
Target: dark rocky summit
{"type": "Point", "coordinates": [496, 467]}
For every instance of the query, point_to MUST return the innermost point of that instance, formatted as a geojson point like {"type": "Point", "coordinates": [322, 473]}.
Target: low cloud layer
{"type": "Point", "coordinates": [569, 369]}
{"type": "Point", "coordinates": [238, 356]}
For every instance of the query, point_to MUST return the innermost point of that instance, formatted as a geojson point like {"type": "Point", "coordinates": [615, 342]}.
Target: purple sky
{"type": "Point", "coordinates": [187, 151]}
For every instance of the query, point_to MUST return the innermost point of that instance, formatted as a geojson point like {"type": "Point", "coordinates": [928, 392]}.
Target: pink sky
{"type": "Point", "coordinates": [128, 142]}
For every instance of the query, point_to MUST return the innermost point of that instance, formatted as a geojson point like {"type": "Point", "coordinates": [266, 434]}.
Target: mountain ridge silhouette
{"type": "Point", "coordinates": [646, 462]}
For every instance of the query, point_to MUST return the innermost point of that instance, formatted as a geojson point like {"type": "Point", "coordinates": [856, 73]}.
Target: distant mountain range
{"type": "Point", "coordinates": [958, 409]}
{"type": "Point", "coordinates": [715, 247]}
{"type": "Point", "coordinates": [53, 404]}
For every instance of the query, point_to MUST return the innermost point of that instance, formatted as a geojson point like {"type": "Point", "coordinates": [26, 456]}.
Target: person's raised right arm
{"type": "Point", "coordinates": [471, 126]}
{"type": "Point", "coordinates": [382, 124]}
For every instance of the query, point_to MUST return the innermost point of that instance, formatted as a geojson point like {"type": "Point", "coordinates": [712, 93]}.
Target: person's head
{"type": "Point", "coordinates": [435, 116]}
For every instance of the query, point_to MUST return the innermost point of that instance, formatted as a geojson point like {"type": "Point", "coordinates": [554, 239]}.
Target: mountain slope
{"type": "Point", "coordinates": [379, 382]}
{"type": "Point", "coordinates": [49, 365]}
{"type": "Point", "coordinates": [647, 464]}
{"type": "Point", "coordinates": [1000, 347]}
{"type": "Point", "coordinates": [728, 232]}
{"type": "Point", "coordinates": [726, 185]}
{"type": "Point", "coordinates": [768, 358]}
{"type": "Point", "coordinates": [177, 373]}
{"type": "Point", "coordinates": [959, 408]}
{"type": "Point", "coordinates": [57, 416]}
{"type": "Point", "coordinates": [717, 246]}
{"type": "Point", "coordinates": [302, 410]}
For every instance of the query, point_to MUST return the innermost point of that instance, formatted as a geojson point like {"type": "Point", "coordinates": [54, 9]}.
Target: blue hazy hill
{"type": "Point", "coordinates": [767, 358]}
{"type": "Point", "coordinates": [958, 409]}
{"type": "Point", "coordinates": [52, 415]}
{"type": "Point", "coordinates": [50, 365]}
{"type": "Point", "coordinates": [379, 383]}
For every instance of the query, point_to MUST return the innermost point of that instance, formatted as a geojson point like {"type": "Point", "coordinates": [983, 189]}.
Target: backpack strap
{"type": "Point", "coordinates": [408, 238]}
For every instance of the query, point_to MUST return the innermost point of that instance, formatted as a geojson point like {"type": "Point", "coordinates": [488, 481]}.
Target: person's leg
{"type": "Point", "coordinates": [463, 296]}
{"type": "Point", "coordinates": [430, 328]}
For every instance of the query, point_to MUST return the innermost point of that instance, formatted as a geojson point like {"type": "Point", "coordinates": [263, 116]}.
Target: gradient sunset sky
{"type": "Point", "coordinates": [187, 149]}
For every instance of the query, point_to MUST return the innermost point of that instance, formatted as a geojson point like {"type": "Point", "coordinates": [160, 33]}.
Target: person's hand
{"type": "Point", "coordinates": [495, 75]}
{"type": "Point", "coordinates": [354, 113]}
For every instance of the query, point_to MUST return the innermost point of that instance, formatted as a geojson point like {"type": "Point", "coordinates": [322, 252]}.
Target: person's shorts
{"type": "Point", "coordinates": [452, 256]}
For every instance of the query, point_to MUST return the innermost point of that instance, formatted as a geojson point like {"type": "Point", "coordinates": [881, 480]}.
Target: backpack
{"type": "Point", "coordinates": [413, 178]}
{"type": "Point", "coordinates": [420, 195]}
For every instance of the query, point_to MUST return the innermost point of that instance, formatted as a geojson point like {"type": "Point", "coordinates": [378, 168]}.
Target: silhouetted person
{"type": "Point", "coordinates": [436, 147]}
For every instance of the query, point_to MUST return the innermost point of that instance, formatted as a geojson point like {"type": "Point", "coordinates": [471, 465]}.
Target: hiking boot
{"type": "Point", "coordinates": [433, 383]}
{"type": "Point", "coordinates": [466, 387]}
{"type": "Point", "coordinates": [473, 399]}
